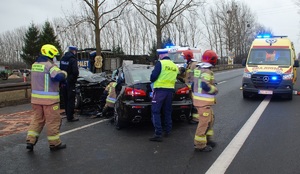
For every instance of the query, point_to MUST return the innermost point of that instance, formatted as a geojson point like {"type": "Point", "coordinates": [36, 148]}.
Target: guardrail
{"type": "Point", "coordinates": [14, 86]}
{"type": "Point", "coordinates": [226, 67]}
{"type": "Point", "coordinates": [14, 93]}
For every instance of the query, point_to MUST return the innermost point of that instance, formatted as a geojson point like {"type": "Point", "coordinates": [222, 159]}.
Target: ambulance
{"type": "Point", "coordinates": [270, 68]}
{"type": "Point", "coordinates": [176, 54]}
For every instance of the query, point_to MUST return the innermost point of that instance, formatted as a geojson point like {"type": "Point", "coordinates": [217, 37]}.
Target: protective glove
{"type": "Point", "coordinates": [205, 86]}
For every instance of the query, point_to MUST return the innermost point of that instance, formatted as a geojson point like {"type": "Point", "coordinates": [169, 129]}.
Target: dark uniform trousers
{"type": "Point", "coordinates": [162, 101]}
{"type": "Point", "coordinates": [69, 93]}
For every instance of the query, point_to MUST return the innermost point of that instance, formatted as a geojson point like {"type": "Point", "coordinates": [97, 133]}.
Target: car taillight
{"type": "Point", "coordinates": [184, 90]}
{"type": "Point", "coordinates": [134, 92]}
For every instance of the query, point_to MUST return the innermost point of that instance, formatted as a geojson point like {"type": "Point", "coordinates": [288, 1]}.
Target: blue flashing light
{"type": "Point", "coordinates": [274, 78]}
{"type": "Point", "coordinates": [264, 36]}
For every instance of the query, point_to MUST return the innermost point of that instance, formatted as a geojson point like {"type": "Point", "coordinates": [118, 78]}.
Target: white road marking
{"type": "Point", "coordinates": [82, 127]}
{"type": "Point", "coordinates": [229, 153]}
{"type": "Point", "coordinates": [221, 82]}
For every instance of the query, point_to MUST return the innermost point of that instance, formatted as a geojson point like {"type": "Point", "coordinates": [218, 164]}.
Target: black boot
{"type": "Point", "coordinates": [211, 143]}
{"type": "Point", "coordinates": [58, 147]}
{"type": "Point", "coordinates": [207, 148]}
{"type": "Point", "coordinates": [29, 146]}
{"type": "Point", "coordinates": [156, 138]}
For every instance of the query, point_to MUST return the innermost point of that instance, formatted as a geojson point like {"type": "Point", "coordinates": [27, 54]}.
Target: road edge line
{"type": "Point", "coordinates": [229, 153]}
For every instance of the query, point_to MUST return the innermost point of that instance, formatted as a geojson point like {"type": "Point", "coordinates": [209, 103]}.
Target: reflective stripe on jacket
{"type": "Point", "coordinates": [167, 76]}
{"type": "Point", "coordinates": [111, 98]}
{"type": "Point", "coordinates": [189, 73]}
{"type": "Point", "coordinates": [45, 91]}
{"type": "Point", "coordinates": [201, 97]}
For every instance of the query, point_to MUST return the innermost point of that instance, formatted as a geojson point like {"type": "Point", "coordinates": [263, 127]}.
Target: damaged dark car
{"type": "Point", "coordinates": [89, 90]}
{"type": "Point", "coordinates": [133, 103]}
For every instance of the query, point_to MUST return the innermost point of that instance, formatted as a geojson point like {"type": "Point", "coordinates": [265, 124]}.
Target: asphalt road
{"type": "Point", "coordinates": [253, 136]}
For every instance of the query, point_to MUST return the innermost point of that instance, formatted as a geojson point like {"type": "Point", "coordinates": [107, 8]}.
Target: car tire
{"type": "Point", "coordinates": [246, 95]}
{"type": "Point", "coordinates": [78, 101]}
{"type": "Point", "coordinates": [119, 124]}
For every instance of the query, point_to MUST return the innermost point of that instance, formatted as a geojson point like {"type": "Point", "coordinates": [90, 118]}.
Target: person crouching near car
{"type": "Point", "coordinates": [110, 94]}
{"type": "Point", "coordinates": [204, 92]}
{"type": "Point", "coordinates": [45, 78]}
{"type": "Point", "coordinates": [163, 78]}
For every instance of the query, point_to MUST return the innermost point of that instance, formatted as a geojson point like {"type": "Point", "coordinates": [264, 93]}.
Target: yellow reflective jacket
{"type": "Point", "coordinates": [44, 90]}
{"type": "Point", "coordinates": [167, 76]}
{"type": "Point", "coordinates": [201, 97]}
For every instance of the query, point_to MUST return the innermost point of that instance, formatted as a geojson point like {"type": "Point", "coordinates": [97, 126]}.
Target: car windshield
{"type": "Point", "coordinates": [270, 57]}
{"type": "Point", "coordinates": [139, 75]}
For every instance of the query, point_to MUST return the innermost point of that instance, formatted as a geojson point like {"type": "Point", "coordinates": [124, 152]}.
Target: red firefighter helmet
{"type": "Point", "coordinates": [188, 55]}
{"type": "Point", "coordinates": [210, 56]}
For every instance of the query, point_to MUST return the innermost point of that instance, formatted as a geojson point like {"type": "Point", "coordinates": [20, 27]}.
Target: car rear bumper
{"type": "Point", "coordinates": [141, 112]}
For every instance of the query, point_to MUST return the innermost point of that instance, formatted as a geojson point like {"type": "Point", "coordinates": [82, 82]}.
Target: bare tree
{"type": "Point", "coordinates": [160, 13]}
{"type": "Point", "coordinates": [97, 12]}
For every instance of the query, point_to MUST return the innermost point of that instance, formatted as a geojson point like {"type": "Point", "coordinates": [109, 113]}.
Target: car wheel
{"type": "Point", "coordinates": [77, 101]}
{"type": "Point", "coordinates": [118, 122]}
{"type": "Point", "coordinates": [246, 95]}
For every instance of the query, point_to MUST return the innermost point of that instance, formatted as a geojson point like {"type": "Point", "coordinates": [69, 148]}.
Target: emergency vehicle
{"type": "Point", "coordinates": [270, 68]}
{"type": "Point", "coordinates": [176, 54]}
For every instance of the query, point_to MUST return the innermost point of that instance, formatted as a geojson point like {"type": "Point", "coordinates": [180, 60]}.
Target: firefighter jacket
{"type": "Point", "coordinates": [189, 73]}
{"type": "Point", "coordinates": [166, 76]}
{"type": "Point", "coordinates": [69, 64]}
{"type": "Point", "coordinates": [111, 98]}
{"type": "Point", "coordinates": [45, 78]}
{"type": "Point", "coordinates": [204, 89]}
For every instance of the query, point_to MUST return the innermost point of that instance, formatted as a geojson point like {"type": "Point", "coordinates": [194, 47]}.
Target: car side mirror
{"type": "Point", "coordinates": [296, 63]}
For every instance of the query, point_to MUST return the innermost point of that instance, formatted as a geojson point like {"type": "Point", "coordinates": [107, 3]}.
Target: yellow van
{"type": "Point", "coordinates": [270, 68]}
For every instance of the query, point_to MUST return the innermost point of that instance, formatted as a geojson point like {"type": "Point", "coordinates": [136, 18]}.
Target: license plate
{"type": "Point", "coordinates": [151, 94]}
{"type": "Point", "coordinates": [265, 92]}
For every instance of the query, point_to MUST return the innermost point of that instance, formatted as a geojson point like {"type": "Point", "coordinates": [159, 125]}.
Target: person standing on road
{"type": "Point", "coordinates": [204, 91]}
{"type": "Point", "coordinates": [188, 79]}
{"type": "Point", "coordinates": [69, 64]}
{"type": "Point", "coordinates": [163, 78]}
{"type": "Point", "coordinates": [45, 78]}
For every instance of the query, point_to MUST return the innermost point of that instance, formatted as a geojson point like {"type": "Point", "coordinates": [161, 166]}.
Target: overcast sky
{"type": "Point", "coordinates": [279, 15]}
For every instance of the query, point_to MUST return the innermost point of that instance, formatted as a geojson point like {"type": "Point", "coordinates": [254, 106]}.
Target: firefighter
{"type": "Point", "coordinates": [45, 78]}
{"type": "Point", "coordinates": [188, 79]}
{"type": "Point", "coordinates": [163, 78]}
{"type": "Point", "coordinates": [69, 64]}
{"type": "Point", "coordinates": [110, 94]}
{"type": "Point", "coordinates": [204, 91]}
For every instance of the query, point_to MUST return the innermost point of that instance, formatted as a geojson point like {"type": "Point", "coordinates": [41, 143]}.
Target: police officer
{"type": "Point", "coordinates": [45, 78]}
{"type": "Point", "coordinates": [69, 64]}
{"type": "Point", "coordinates": [163, 78]}
{"type": "Point", "coordinates": [204, 91]}
{"type": "Point", "coordinates": [188, 79]}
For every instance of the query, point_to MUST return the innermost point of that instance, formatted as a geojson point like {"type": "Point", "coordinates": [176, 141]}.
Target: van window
{"type": "Point", "coordinates": [269, 57]}
{"type": "Point", "coordinates": [177, 57]}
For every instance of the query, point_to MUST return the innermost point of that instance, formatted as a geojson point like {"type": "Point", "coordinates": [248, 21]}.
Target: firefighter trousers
{"type": "Point", "coordinates": [204, 130]}
{"type": "Point", "coordinates": [45, 115]}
